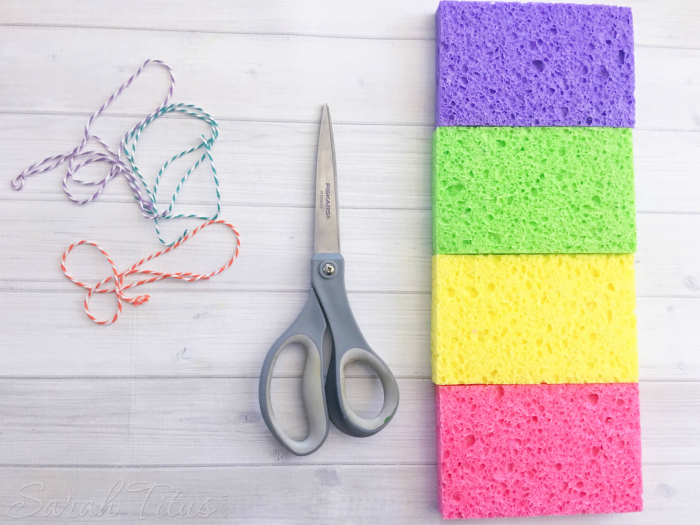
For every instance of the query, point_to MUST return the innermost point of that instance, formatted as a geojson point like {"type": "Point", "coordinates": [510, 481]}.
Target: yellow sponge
{"type": "Point", "coordinates": [508, 319]}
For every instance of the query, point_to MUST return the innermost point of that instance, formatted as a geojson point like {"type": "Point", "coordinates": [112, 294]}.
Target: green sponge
{"type": "Point", "coordinates": [533, 190]}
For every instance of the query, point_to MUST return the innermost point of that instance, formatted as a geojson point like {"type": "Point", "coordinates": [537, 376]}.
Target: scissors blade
{"type": "Point", "coordinates": [326, 237]}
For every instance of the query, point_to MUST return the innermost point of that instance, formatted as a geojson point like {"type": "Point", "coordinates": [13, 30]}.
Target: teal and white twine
{"type": "Point", "coordinates": [145, 196]}
{"type": "Point", "coordinates": [149, 207]}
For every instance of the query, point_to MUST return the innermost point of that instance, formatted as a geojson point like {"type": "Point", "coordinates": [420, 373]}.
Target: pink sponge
{"type": "Point", "coordinates": [525, 450]}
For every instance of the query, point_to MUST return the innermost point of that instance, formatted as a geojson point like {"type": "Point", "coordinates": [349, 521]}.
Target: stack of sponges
{"type": "Point", "coordinates": [533, 319]}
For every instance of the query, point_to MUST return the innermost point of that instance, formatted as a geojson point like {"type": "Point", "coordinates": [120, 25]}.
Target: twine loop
{"type": "Point", "coordinates": [145, 196]}
{"type": "Point", "coordinates": [118, 278]}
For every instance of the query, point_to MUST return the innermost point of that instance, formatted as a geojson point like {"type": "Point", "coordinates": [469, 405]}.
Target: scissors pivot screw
{"type": "Point", "coordinates": [328, 269]}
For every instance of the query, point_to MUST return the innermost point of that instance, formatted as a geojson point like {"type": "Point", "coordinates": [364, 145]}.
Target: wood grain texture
{"type": "Point", "coordinates": [662, 24]}
{"type": "Point", "coordinates": [216, 421]}
{"type": "Point", "coordinates": [402, 495]}
{"type": "Point", "coordinates": [277, 243]}
{"type": "Point", "coordinates": [178, 334]}
{"type": "Point", "coordinates": [380, 166]}
{"type": "Point", "coordinates": [166, 399]}
{"type": "Point", "coordinates": [365, 81]}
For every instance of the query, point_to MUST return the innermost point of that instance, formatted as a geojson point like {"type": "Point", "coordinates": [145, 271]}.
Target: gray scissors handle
{"type": "Point", "coordinates": [349, 345]}
{"type": "Point", "coordinates": [307, 330]}
{"type": "Point", "coordinates": [328, 296]}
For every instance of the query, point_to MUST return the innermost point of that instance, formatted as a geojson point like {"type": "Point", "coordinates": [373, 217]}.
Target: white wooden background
{"type": "Point", "coordinates": [166, 399]}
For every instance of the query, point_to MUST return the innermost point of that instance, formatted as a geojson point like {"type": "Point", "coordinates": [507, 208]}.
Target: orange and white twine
{"type": "Point", "coordinates": [118, 278]}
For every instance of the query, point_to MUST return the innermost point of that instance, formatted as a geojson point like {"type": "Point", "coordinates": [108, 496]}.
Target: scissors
{"type": "Point", "coordinates": [327, 306]}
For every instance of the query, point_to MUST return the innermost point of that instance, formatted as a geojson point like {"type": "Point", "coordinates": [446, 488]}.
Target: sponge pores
{"type": "Point", "coordinates": [504, 319]}
{"type": "Point", "coordinates": [533, 190]}
{"type": "Point", "coordinates": [525, 450]}
{"type": "Point", "coordinates": [534, 64]}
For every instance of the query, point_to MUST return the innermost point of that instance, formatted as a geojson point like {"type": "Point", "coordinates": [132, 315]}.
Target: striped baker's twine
{"type": "Point", "coordinates": [118, 278]}
{"type": "Point", "coordinates": [144, 196]}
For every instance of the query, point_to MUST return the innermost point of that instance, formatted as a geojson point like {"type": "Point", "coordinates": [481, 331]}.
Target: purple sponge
{"type": "Point", "coordinates": [526, 450]}
{"type": "Point", "coordinates": [512, 64]}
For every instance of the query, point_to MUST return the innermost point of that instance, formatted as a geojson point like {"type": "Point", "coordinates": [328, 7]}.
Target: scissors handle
{"type": "Point", "coordinates": [307, 330]}
{"type": "Point", "coordinates": [349, 345]}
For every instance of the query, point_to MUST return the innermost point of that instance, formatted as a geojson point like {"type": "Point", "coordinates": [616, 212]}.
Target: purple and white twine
{"type": "Point", "coordinates": [144, 196]}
